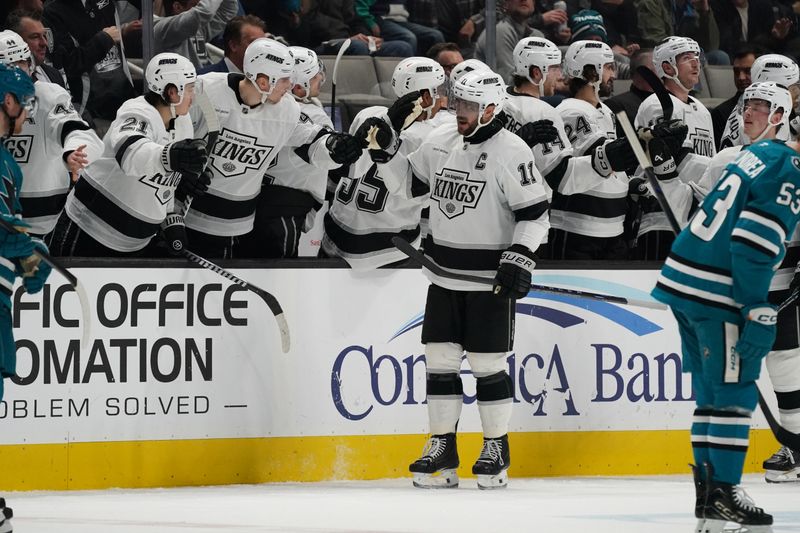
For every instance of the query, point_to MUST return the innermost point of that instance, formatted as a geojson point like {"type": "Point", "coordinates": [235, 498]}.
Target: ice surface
{"type": "Point", "coordinates": [557, 505]}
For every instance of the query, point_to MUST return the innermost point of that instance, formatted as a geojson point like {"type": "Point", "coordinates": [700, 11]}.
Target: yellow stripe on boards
{"type": "Point", "coordinates": [169, 463]}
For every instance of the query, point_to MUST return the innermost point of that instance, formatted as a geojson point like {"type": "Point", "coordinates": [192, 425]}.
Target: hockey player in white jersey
{"type": "Point", "coordinates": [588, 221]}
{"type": "Point", "coordinates": [292, 190]}
{"type": "Point", "coordinates": [769, 67]}
{"type": "Point", "coordinates": [257, 119]}
{"type": "Point", "coordinates": [54, 143]}
{"type": "Point", "coordinates": [677, 63]}
{"type": "Point", "coordinates": [123, 198]}
{"type": "Point", "coordinates": [488, 216]}
{"type": "Point", "coordinates": [368, 209]}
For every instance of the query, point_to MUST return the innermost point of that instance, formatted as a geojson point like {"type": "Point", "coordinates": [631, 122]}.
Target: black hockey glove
{"type": "Point", "coordinates": [188, 155]}
{"type": "Point", "coordinates": [673, 133]}
{"type": "Point", "coordinates": [344, 148]}
{"type": "Point", "coordinates": [513, 279]}
{"type": "Point", "coordinates": [381, 141]}
{"type": "Point", "coordinates": [403, 109]}
{"type": "Point", "coordinates": [637, 188]}
{"type": "Point", "coordinates": [173, 231]}
{"type": "Point", "coordinates": [538, 132]}
{"type": "Point", "coordinates": [661, 157]}
{"type": "Point", "coordinates": [193, 185]}
{"type": "Point", "coordinates": [613, 156]}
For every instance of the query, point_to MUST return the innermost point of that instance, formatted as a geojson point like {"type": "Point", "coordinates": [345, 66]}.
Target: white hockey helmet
{"type": "Point", "coordinates": [582, 53]}
{"type": "Point", "coordinates": [13, 48]}
{"type": "Point", "coordinates": [416, 74]}
{"type": "Point", "coordinates": [167, 69]}
{"type": "Point", "coordinates": [778, 98]}
{"type": "Point", "coordinates": [306, 66]}
{"type": "Point", "coordinates": [775, 68]}
{"type": "Point", "coordinates": [535, 52]}
{"type": "Point", "coordinates": [668, 50]}
{"type": "Point", "coordinates": [468, 65]}
{"type": "Point", "coordinates": [270, 58]}
{"type": "Point", "coordinates": [484, 88]}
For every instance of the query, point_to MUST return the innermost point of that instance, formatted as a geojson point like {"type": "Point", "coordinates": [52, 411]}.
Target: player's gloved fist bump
{"type": "Point", "coordinates": [194, 185]}
{"type": "Point", "coordinates": [344, 148]}
{"type": "Point", "coordinates": [538, 132]}
{"type": "Point", "coordinates": [513, 279]}
{"type": "Point", "coordinates": [661, 157]}
{"type": "Point", "coordinates": [187, 155]}
{"type": "Point", "coordinates": [402, 109]}
{"type": "Point", "coordinates": [381, 137]}
{"type": "Point", "coordinates": [758, 333]}
{"type": "Point", "coordinates": [173, 231]}
{"type": "Point", "coordinates": [15, 244]}
{"type": "Point", "coordinates": [34, 278]}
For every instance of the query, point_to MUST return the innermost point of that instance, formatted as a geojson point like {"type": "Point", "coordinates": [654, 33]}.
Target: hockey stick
{"type": "Point", "coordinates": [782, 435]}
{"type": "Point", "coordinates": [339, 54]}
{"type": "Point", "coordinates": [420, 259]}
{"type": "Point", "coordinates": [661, 92]}
{"type": "Point", "coordinates": [268, 298]}
{"type": "Point", "coordinates": [71, 279]}
{"type": "Point", "coordinates": [789, 300]}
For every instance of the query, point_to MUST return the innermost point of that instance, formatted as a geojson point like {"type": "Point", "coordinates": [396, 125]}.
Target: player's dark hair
{"type": "Point", "coordinates": [14, 19]}
{"type": "Point", "coordinates": [438, 48]}
{"type": "Point", "coordinates": [576, 84]}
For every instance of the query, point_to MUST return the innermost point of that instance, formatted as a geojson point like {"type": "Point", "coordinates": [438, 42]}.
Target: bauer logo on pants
{"type": "Point", "coordinates": [455, 192]}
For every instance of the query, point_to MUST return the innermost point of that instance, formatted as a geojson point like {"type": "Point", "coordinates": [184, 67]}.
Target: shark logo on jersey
{"type": "Point", "coordinates": [455, 192]}
{"type": "Point", "coordinates": [235, 152]}
{"type": "Point", "coordinates": [20, 147]}
{"type": "Point", "coordinates": [164, 186]}
{"type": "Point", "coordinates": [7, 191]}
{"type": "Point", "coordinates": [702, 142]}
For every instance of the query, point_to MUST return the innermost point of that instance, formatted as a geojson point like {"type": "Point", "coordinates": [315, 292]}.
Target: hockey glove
{"type": "Point", "coordinates": [193, 185]}
{"type": "Point", "coordinates": [16, 244]}
{"type": "Point", "coordinates": [404, 111]}
{"type": "Point", "coordinates": [538, 132]}
{"type": "Point", "coordinates": [513, 279]}
{"type": "Point", "coordinates": [36, 271]}
{"type": "Point", "coordinates": [186, 156]}
{"type": "Point", "coordinates": [673, 132]}
{"type": "Point", "coordinates": [173, 231]}
{"type": "Point", "coordinates": [661, 157]}
{"type": "Point", "coordinates": [758, 333]}
{"type": "Point", "coordinates": [613, 156]}
{"type": "Point", "coordinates": [344, 148]}
{"type": "Point", "coordinates": [637, 188]}
{"type": "Point", "coordinates": [381, 141]}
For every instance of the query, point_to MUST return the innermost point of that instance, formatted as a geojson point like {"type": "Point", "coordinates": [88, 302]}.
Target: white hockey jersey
{"type": "Point", "coordinates": [480, 193]}
{"type": "Point", "coordinates": [589, 204]}
{"type": "Point", "coordinates": [699, 142]}
{"type": "Point", "coordinates": [52, 129]}
{"type": "Point", "coordinates": [734, 135]}
{"type": "Point", "coordinates": [123, 196]}
{"type": "Point", "coordinates": [249, 139]}
{"type": "Point", "coordinates": [369, 207]}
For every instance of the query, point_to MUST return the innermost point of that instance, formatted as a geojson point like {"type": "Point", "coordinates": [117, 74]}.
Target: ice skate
{"type": "Point", "coordinates": [700, 497]}
{"type": "Point", "coordinates": [6, 514]}
{"type": "Point", "coordinates": [492, 465]}
{"type": "Point", "coordinates": [730, 503]}
{"type": "Point", "coordinates": [436, 469]}
{"type": "Point", "coordinates": [783, 466]}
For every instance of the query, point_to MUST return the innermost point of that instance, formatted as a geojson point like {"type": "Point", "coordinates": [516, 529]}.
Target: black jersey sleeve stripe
{"type": "Point", "coordinates": [302, 151]}
{"type": "Point", "coordinates": [69, 127]}
{"type": "Point", "coordinates": [753, 245]}
{"type": "Point", "coordinates": [695, 298]}
{"type": "Point", "coordinates": [462, 258]}
{"type": "Point", "coordinates": [699, 266]}
{"type": "Point", "coordinates": [123, 147]}
{"type": "Point", "coordinates": [40, 206]}
{"type": "Point", "coordinates": [773, 218]}
{"type": "Point", "coordinates": [586, 204]}
{"type": "Point", "coordinates": [366, 243]}
{"type": "Point", "coordinates": [556, 176]}
{"type": "Point", "coordinates": [532, 212]}
{"type": "Point", "coordinates": [112, 214]}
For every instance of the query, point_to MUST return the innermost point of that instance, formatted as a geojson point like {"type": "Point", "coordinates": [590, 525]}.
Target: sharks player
{"type": "Point", "coordinates": [16, 248]}
{"type": "Point", "coordinates": [588, 213]}
{"type": "Point", "coordinates": [716, 279]}
{"type": "Point", "coordinates": [368, 208]}
{"type": "Point", "coordinates": [292, 190]}
{"type": "Point", "coordinates": [488, 216]}
{"type": "Point", "coordinates": [677, 63]}
{"type": "Point", "coordinates": [123, 198]}
{"type": "Point", "coordinates": [257, 119]}
{"type": "Point", "coordinates": [54, 143]}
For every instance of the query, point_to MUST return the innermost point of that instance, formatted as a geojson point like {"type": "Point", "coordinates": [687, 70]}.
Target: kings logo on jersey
{"type": "Point", "coordinates": [702, 142]}
{"type": "Point", "coordinates": [164, 185]}
{"type": "Point", "coordinates": [235, 152]}
{"type": "Point", "coordinates": [455, 192]}
{"type": "Point", "coordinates": [20, 147]}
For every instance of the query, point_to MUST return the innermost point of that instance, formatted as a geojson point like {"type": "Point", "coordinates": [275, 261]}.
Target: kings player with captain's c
{"type": "Point", "coordinates": [716, 280]}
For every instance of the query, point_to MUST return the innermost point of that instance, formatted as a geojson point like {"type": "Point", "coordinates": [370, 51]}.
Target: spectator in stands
{"type": "Point", "coordinates": [743, 22]}
{"type": "Point", "coordinates": [658, 19]}
{"type": "Point", "coordinates": [448, 55]}
{"type": "Point", "coordinates": [331, 22]}
{"type": "Point", "coordinates": [28, 24]}
{"type": "Point", "coordinates": [631, 100]}
{"type": "Point", "coordinates": [189, 25]}
{"type": "Point", "coordinates": [283, 19]}
{"type": "Point", "coordinates": [513, 27]}
{"type": "Point", "coordinates": [86, 44]}
{"type": "Point", "coordinates": [389, 19]}
{"type": "Point", "coordinates": [238, 34]}
{"type": "Point", "coordinates": [588, 24]}
{"type": "Point", "coordinates": [461, 21]}
{"type": "Point", "coordinates": [621, 23]}
{"type": "Point", "coordinates": [554, 23]}
{"type": "Point", "coordinates": [12, 5]}
{"type": "Point", "coordinates": [742, 61]}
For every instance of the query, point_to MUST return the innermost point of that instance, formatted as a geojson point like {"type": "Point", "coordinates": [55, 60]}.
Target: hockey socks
{"type": "Point", "coordinates": [495, 393]}
{"type": "Point", "coordinates": [445, 397]}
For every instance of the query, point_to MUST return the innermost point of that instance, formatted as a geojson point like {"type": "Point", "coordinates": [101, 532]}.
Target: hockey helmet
{"type": "Point", "coordinates": [468, 65]}
{"type": "Point", "coordinates": [668, 50]}
{"type": "Point", "coordinates": [167, 69]}
{"type": "Point", "coordinates": [535, 52]}
{"type": "Point", "coordinates": [13, 48]}
{"type": "Point", "coordinates": [416, 74]}
{"type": "Point", "coordinates": [13, 80]}
{"type": "Point", "coordinates": [270, 58]}
{"type": "Point", "coordinates": [582, 53]}
{"type": "Point", "coordinates": [481, 89]}
{"type": "Point", "coordinates": [306, 66]}
{"type": "Point", "coordinates": [778, 98]}
{"type": "Point", "coordinates": [775, 68]}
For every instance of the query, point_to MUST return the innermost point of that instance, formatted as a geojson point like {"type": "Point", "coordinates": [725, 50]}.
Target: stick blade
{"type": "Point", "coordinates": [283, 327]}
